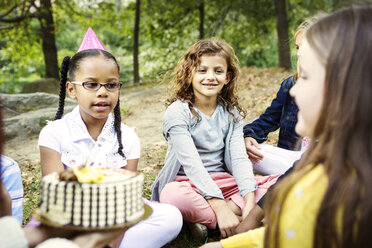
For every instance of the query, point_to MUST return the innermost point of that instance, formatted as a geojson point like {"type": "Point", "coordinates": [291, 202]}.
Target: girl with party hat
{"type": "Point", "coordinates": [90, 134]}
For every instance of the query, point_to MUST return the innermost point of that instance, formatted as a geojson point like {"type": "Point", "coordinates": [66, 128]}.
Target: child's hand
{"type": "Point", "coordinates": [84, 239]}
{"type": "Point", "coordinates": [36, 235]}
{"type": "Point", "coordinates": [212, 245]}
{"type": "Point", "coordinates": [99, 239]}
{"type": "Point", "coordinates": [251, 146]}
{"type": "Point", "coordinates": [252, 221]}
{"type": "Point", "coordinates": [226, 219]}
{"type": "Point", "coordinates": [249, 204]}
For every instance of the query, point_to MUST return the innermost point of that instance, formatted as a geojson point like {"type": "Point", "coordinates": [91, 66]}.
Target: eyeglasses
{"type": "Point", "coordinates": [94, 86]}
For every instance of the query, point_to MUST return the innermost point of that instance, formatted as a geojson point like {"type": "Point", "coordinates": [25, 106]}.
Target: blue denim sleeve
{"type": "Point", "coordinates": [269, 121]}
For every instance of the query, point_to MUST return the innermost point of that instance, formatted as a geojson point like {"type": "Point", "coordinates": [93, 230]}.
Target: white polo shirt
{"type": "Point", "coordinates": [69, 137]}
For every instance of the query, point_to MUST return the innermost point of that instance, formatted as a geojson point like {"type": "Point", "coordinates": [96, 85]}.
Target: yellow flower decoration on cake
{"type": "Point", "coordinates": [88, 174]}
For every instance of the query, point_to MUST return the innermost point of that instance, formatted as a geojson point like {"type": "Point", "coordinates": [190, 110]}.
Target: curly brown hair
{"type": "Point", "coordinates": [180, 84]}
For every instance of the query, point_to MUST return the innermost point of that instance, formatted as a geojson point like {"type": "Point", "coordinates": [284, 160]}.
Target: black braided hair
{"type": "Point", "coordinates": [62, 87]}
{"type": "Point", "coordinates": [117, 126]}
{"type": "Point", "coordinates": [74, 63]}
{"type": "Point", "coordinates": [70, 66]}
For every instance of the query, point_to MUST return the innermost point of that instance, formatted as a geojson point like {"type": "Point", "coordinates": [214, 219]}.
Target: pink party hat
{"type": "Point", "coordinates": [91, 41]}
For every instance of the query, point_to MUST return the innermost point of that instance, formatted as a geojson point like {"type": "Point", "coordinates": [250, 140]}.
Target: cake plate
{"type": "Point", "coordinates": [43, 220]}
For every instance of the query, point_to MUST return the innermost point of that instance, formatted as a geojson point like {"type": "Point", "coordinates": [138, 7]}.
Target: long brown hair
{"type": "Point", "coordinates": [342, 139]}
{"type": "Point", "coordinates": [303, 27]}
{"type": "Point", "coordinates": [181, 87]}
{"type": "Point", "coordinates": [2, 135]}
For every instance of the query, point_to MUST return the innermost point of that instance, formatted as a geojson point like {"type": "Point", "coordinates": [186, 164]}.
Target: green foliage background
{"type": "Point", "coordinates": [167, 29]}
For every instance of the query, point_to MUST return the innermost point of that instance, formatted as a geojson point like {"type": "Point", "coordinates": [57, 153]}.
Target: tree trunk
{"type": "Point", "coordinates": [48, 39]}
{"type": "Point", "coordinates": [118, 4]}
{"type": "Point", "coordinates": [135, 45]}
{"type": "Point", "coordinates": [282, 30]}
{"type": "Point", "coordinates": [201, 18]}
{"type": "Point", "coordinates": [219, 24]}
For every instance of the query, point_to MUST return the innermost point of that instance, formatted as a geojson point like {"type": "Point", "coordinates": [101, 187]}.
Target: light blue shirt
{"type": "Point", "coordinates": [12, 180]}
{"type": "Point", "coordinates": [185, 136]}
{"type": "Point", "coordinates": [208, 136]}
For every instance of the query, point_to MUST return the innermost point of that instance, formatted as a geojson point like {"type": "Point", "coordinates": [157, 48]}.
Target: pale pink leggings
{"type": "Point", "coordinates": [194, 208]}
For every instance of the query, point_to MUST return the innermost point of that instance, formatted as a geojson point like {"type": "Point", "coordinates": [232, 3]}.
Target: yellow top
{"type": "Point", "coordinates": [298, 216]}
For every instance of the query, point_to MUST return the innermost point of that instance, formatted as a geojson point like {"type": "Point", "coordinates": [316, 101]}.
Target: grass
{"type": "Point", "coordinates": [125, 111]}
{"type": "Point", "coordinates": [31, 176]}
{"type": "Point", "coordinates": [257, 88]}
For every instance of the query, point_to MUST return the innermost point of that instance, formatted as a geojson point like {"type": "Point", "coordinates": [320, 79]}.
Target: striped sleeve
{"type": "Point", "coordinates": [12, 179]}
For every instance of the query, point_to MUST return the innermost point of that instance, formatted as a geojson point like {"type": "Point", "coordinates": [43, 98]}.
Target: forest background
{"type": "Point", "coordinates": [146, 36]}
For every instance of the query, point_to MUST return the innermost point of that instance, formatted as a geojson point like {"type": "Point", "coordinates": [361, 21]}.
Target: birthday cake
{"type": "Point", "coordinates": [91, 197]}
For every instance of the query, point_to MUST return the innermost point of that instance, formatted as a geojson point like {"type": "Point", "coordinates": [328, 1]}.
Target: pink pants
{"type": "Point", "coordinates": [194, 208]}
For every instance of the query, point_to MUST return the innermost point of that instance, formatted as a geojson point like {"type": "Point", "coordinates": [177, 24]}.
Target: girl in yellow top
{"type": "Point", "coordinates": [327, 201]}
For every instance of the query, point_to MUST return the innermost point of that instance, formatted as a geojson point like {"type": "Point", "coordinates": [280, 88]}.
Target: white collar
{"type": "Point", "coordinates": [79, 130]}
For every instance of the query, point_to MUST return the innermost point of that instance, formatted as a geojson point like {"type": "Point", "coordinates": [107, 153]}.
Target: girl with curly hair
{"type": "Point", "coordinates": [207, 173]}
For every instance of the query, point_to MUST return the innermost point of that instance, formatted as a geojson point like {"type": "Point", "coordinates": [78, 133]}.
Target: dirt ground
{"type": "Point", "coordinates": [143, 108]}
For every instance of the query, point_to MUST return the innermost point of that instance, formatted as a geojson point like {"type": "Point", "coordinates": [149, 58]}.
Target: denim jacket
{"type": "Point", "coordinates": [282, 114]}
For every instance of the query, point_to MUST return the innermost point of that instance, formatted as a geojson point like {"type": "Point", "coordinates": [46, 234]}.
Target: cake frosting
{"type": "Point", "coordinates": [114, 198]}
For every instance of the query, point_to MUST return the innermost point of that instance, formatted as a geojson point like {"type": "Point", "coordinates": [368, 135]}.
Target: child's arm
{"type": "Point", "coordinates": [131, 165]}
{"type": "Point", "coordinates": [50, 139]}
{"type": "Point", "coordinates": [5, 201]}
{"type": "Point", "coordinates": [253, 148]}
{"type": "Point", "coordinates": [50, 161]}
{"type": "Point", "coordinates": [227, 220]}
{"type": "Point", "coordinates": [253, 238]}
{"type": "Point", "coordinates": [237, 161]}
{"type": "Point", "coordinates": [249, 204]}
{"type": "Point", "coordinates": [252, 221]}
{"type": "Point", "coordinates": [133, 147]}
{"type": "Point", "coordinates": [12, 180]}
{"type": "Point", "coordinates": [216, 244]}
